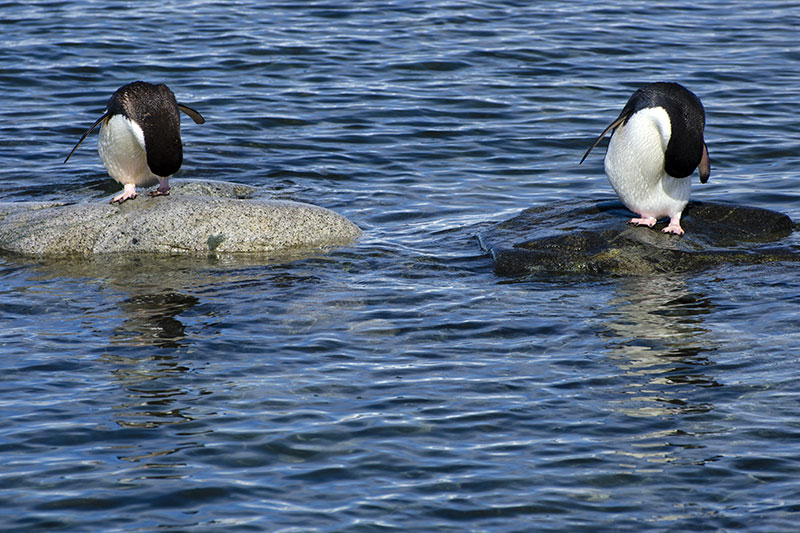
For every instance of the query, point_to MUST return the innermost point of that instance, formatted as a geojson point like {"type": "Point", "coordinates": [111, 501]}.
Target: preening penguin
{"type": "Point", "coordinates": [656, 144]}
{"type": "Point", "coordinates": [140, 137]}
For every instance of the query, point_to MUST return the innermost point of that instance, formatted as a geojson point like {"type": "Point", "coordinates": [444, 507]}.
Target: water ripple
{"type": "Point", "coordinates": [396, 384]}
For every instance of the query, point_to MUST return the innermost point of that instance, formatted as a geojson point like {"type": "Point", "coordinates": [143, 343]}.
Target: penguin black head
{"type": "Point", "coordinates": [686, 150]}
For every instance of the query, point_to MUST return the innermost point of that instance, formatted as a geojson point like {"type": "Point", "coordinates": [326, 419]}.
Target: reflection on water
{"type": "Point", "coordinates": [398, 385]}
{"type": "Point", "coordinates": [657, 336]}
{"type": "Point", "coordinates": [158, 393]}
{"type": "Point", "coordinates": [148, 297]}
{"type": "Point", "coordinates": [151, 319]}
{"type": "Point", "coordinates": [146, 303]}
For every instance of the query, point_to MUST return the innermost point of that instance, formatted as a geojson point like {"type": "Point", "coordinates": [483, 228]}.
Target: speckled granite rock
{"type": "Point", "coordinates": [593, 237]}
{"type": "Point", "coordinates": [197, 218]}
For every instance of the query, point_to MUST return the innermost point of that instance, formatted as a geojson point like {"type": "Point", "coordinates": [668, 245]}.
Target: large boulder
{"type": "Point", "coordinates": [593, 237]}
{"type": "Point", "coordinates": [198, 217]}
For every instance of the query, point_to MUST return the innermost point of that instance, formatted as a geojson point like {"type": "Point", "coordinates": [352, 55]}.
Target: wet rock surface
{"type": "Point", "coordinates": [594, 237]}
{"type": "Point", "coordinates": [198, 217]}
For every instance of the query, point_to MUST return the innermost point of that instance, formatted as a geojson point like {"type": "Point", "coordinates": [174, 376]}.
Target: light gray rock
{"type": "Point", "coordinates": [220, 189]}
{"type": "Point", "coordinates": [197, 218]}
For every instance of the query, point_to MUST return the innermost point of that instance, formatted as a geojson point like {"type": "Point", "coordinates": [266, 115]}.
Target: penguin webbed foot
{"type": "Point", "coordinates": [163, 188]}
{"type": "Point", "coordinates": [673, 228]}
{"type": "Point", "coordinates": [644, 221]}
{"type": "Point", "coordinates": [128, 193]}
{"type": "Point", "coordinates": [159, 192]}
{"type": "Point", "coordinates": [118, 199]}
{"type": "Point", "coordinates": [674, 225]}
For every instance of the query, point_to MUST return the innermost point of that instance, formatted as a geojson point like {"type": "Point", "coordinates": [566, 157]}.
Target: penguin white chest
{"type": "Point", "coordinates": [634, 164]}
{"type": "Point", "coordinates": [121, 147]}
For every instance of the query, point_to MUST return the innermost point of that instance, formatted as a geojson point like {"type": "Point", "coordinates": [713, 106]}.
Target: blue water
{"type": "Point", "coordinates": [397, 384]}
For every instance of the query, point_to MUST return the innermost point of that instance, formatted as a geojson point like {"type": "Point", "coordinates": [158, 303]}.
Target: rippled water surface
{"type": "Point", "coordinates": [397, 384]}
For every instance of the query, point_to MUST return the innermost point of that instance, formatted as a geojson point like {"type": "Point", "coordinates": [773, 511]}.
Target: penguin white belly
{"type": "Point", "coordinates": [634, 164]}
{"type": "Point", "coordinates": [121, 148]}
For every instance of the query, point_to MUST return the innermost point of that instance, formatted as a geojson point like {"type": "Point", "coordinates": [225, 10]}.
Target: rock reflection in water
{"type": "Point", "coordinates": [658, 340]}
{"type": "Point", "coordinates": [152, 319]}
{"type": "Point", "coordinates": [157, 395]}
{"type": "Point", "coordinates": [657, 337]}
{"type": "Point", "coordinates": [148, 307]}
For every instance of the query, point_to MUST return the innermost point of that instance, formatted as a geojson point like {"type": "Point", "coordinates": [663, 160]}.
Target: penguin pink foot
{"type": "Point", "coordinates": [128, 193]}
{"type": "Point", "coordinates": [674, 226]}
{"type": "Point", "coordinates": [163, 189]}
{"type": "Point", "coordinates": [644, 221]}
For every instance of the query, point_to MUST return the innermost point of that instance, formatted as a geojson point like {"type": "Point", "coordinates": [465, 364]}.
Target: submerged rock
{"type": "Point", "coordinates": [199, 217]}
{"type": "Point", "coordinates": [593, 237]}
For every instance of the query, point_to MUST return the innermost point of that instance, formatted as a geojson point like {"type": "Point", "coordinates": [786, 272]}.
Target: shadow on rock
{"type": "Point", "coordinates": [592, 237]}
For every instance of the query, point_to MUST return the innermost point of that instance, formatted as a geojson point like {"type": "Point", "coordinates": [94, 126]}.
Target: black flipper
{"type": "Point", "coordinates": [194, 115]}
{"type": "Point", "coordinates": [622, 118]}
{"type": "Point", "coordinates": [99, 120]}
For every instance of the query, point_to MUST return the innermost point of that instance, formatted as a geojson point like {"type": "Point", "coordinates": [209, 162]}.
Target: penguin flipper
{"type": "Point", "coordinates": [620, 120]}
{"type": "Point", "coordinates": [99, 120]}
{"type": "Point", "coordinates": [194, 115]}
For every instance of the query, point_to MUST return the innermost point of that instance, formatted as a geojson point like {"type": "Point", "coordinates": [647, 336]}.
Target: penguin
{"type": "Point", "coordinates": [140, 137]}
{"type": "Point", "coordinates": [656, 145]}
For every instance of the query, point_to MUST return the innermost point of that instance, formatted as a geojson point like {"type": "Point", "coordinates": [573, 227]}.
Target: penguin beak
{"type": "Point", "coordinates": [704, 168]}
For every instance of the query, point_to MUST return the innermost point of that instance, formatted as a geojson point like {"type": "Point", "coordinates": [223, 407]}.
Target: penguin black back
{"type": "Point", "coordinates": [131, 100]}
{"type": "Point", "coordinates": [686, 149]}
{"type": "Point", "coordinates": [687, 120]}
{"type": "Point", "coordinates": [155, 110]}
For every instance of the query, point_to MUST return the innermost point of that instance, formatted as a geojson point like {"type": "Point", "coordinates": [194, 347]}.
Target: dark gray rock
{"type": "Point", "coordinates": [593, 237]}
{"type": "Point", "coordinates": [197, 218]}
